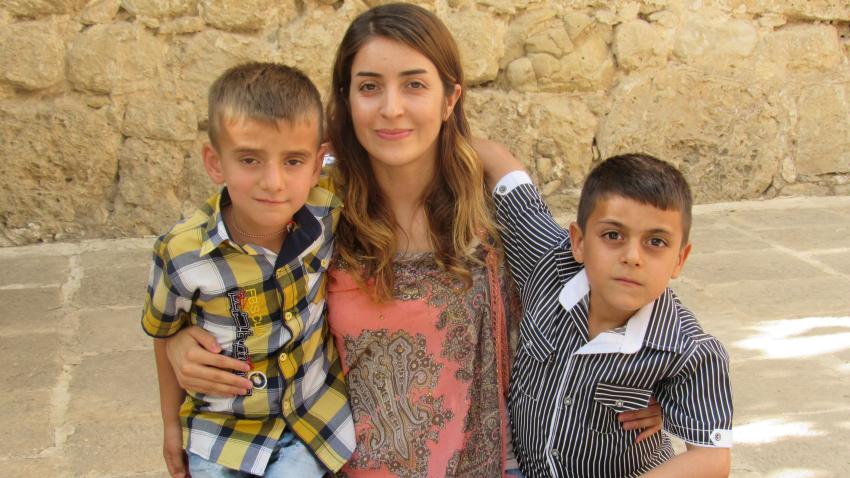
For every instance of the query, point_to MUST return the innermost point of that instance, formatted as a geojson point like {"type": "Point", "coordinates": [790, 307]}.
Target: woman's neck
{"type": "Point", "coordinates": [404, 190]}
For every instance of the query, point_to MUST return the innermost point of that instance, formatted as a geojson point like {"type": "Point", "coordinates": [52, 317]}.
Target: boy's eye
{"type": "Point", "coordinates": [611, 235]}
{"type": "Point", "coordinates": [657, 242]}
{"type": "Point", "coordinates": [248, 160]}
{"type": "Point", "coordinates": [294, 161]}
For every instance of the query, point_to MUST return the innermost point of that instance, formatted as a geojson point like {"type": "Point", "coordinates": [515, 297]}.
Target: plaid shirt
{"type": "Point", "coordinates": [264, 308]}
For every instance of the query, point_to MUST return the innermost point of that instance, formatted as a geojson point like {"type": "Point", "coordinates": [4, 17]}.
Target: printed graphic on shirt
{"type": "Point", "coordinates": [238, 300]}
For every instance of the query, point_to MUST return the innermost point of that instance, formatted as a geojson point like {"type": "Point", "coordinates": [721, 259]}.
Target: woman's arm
{"type": "Point", "coordinates": [198, 366]}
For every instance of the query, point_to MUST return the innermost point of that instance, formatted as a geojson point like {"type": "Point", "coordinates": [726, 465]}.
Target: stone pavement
{"type": "Point", "coordinates": [771, 279]}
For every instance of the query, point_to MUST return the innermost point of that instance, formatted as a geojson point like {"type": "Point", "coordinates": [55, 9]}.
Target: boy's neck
{"type": "Point", "coordinates": [601, 320]}
{"type": "Point", "coordinates": [272, 242]}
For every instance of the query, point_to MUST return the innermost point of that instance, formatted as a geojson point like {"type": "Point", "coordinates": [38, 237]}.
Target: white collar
{"type": "Point", "coordinates": [607, 342]}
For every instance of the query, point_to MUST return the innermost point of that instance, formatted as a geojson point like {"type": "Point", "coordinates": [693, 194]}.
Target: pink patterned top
{"type": "Point", "coordinates": [422, 373]}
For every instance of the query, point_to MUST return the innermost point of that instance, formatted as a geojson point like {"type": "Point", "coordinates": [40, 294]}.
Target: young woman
{"type": "Point", "coordinates": [416, 297]}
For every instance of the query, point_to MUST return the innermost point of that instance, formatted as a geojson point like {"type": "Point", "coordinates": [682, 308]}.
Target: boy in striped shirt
{"type": "Point", "coordinates": [602, 333]}
{"type": "Point", "coordinates": [249, 267]}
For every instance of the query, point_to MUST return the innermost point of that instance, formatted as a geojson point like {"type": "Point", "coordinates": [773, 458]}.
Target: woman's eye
{"type": "Point", "coordinates": [416, 84]}
{"type": "Point", "coordinates": [367, 87]}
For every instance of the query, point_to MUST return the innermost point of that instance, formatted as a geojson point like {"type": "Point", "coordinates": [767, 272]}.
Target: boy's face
{"type": "Point", "coordinates": [630, 251]}
{"type": "Point", "coordinates": [268, 168]}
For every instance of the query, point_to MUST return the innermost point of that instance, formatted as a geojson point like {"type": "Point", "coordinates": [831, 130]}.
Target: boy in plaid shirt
{"type": "Point", "coordinates": [249, 267]}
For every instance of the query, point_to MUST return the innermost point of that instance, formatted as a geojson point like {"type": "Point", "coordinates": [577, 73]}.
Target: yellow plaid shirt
{"type": "Point", "coordinates": [262, 307]}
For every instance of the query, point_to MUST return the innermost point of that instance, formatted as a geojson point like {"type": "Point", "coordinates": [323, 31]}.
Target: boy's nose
{"type": "Point", "coordinates": [272, 178]}
{"type": "Point", "coordinates": [632, 253]}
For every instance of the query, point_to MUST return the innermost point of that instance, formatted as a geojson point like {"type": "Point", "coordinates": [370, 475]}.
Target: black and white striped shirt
{"type": "Point", "coordinates": [566, 392]}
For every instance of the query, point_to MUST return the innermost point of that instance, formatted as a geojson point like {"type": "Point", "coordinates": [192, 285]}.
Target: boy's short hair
{"type": "Point", "coordinates": [264, 92]}
{"type": "Point", "coordinates": [642, 178]}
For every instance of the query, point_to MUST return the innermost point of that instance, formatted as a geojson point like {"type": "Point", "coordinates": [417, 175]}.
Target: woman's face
{"type": "Point", "coordinates": [398, 104]}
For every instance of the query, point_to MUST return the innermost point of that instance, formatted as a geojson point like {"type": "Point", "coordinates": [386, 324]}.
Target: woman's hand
{"type": "Point", "coordinates": [194, 356]}
{"type": "Point", "coordinates": [648, 419]}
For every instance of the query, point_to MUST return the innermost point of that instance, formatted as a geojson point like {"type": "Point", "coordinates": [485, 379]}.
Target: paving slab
{"type": "Point", "coordinates": [27, 429]}
{"type": "Point", "coordinates": [116, 447]}
{"type": "Point", "coordinates": [34, 270]}
{"type": "Point", "coordinates": [104, 330]}
{"type": "Point", "coordinates": [29, 309]}
{"type": "Point", "coordinates": [733, 266]}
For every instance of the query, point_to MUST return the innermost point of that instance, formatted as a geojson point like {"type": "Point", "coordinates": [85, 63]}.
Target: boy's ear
{"type": "Point", "coordinates": [683, 256]}
{"type": "Point", "coordinates": [212, 163]}
{"type": "Point", "coordinates": [577, 241]}
{"type": "Point", "coordinates": [319, 162]}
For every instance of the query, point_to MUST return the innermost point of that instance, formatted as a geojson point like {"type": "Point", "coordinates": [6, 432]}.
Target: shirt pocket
{"type": "Point", "coordinates": [527, 376]}
{"type": "Point", "coordinates": [610, 399]}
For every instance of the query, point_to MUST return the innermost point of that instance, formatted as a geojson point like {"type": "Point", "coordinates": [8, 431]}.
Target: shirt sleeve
{"type": "Point", "coordinates": [166, 307]}
{"type": "Point", "coordinates": [697, 401]}
{"type": "Point", "coordinates": [528, 229]}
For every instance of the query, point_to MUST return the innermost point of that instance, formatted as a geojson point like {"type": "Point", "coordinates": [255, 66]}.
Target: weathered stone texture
{"type": "Point", "coordinates": [803, 48]}
{"type": "Point", "coordinates": [715, 41]}
{"type": "Point", "coordinates": [156, 119]}
{"type": "Point", "coordinates": [60, 160]}
{"type": "Point", "coordinates": [158, 8]}
{"type": "Point", "coordinates": [36, 8]}
{"type": "Point", "coordinates": [823, 130]}
{"type": "Point", "coordinates": [32, 55]}
{"type": "Point", "coordinates": [721, 133]}
{"type": "Point", "coordinates": [100, 11]}
{"type": "Point", "coordinates": [115, 58]}
{"type": "Point", "coordinates": [637, 44]}
{"type": "Point", "coordinates": [245, 15]}
{"type": "Point", "coordinates": [802, 9]}
{"type": "Point", "coordinates": [479, 52]}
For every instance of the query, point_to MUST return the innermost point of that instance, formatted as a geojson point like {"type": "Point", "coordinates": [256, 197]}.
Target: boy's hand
{"type": "Point", "coordinates": [198, 366]}
{"type": "Point", "coordinates": [649, 419]}
{"type": "Point", "coordinates": [172, 451]}
{"type": "Point", "coordinates": [496, 160]}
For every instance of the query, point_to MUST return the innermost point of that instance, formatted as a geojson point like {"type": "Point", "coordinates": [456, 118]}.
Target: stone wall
{"type": "Point", "coordinates": [102, 102]}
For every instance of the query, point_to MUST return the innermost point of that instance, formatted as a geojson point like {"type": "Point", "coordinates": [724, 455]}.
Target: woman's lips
{"type": "Point", "coordinates": [393, 133]}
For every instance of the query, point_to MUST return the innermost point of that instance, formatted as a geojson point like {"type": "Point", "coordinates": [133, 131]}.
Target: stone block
{"type": "Point", "coordinates": [31, 362]}
{"type": "Point", "coordinates": [98, 286]}
{"type": "Point", "coordinates": [814, 238]}
{"type": "Point", "coordinates": [61, 159]}
{"type": "Point", "coordinates": [802, 48]}
{"type": "Point", "coordinates": [530, 22]}
{"type": "Point", "coordinates": [34, 270]}
{"type": "Point", "coordinates": [117, 445]}
{"type": "Point", "coordinates": [730, 267]}
{"type": "Point", "coordinates": [839, 261]}
{"type": "Point", "coordinates": [26, 418]}
{"type": "Point", "coordinates": [554, 41]}
{"type": "Point", "coordinates": [37, 8]}
{"type": "Point", "coordinates": [795, 217]}
{"type": "Point", "coordinates": [100, 11]}
{"type": "Point", "coordinates": [245, 15]}
{"type": "Point", "coordinates": [721, 238]}
{"type": "Point", "coordinates": [35, 466]}
{"type": "Point", "coordinates": [32, 55]}
{"type": "Point", "coordinates": [114, 386]}
{"type": "Point", "coordinates": [787, 298]}
{"type": "Point", "coordinates": [155, 119]}
{"type": "Point", "coordinates": [714, 41]}
{"type": "Point", "coordinates": [801, 9]}
{"type": "Point", "coordinates": [637, 44]}
{"type": "Point", "coordinates": [570, 126]}
{"type": "Point", "coordinates": [182, 25]}
{"type": "Point", "coordinates": [588, 67]}
{"type": "Point", "coordinates": [158, 8]}
{"type": "Point", "coordinates": [520, 75]}
{"type": "Point", "coordinates": [112, 330]}
{"type": "Point", "coordinates": [720, 132]}
{"type": "Point", "coordinates": [151, 186]}
{"type": "Point", "coordinates": [480, 38]}
{"type": "Point", "coordinates": [31, 309]}
{"type": "Point", "coordinates": [199, 59]}
{"type": "Point", "coordinates": [823, 129]}
{"type": "Point", "coordinates": [115, 58]}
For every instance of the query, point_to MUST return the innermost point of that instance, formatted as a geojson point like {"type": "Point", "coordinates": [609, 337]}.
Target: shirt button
{"type": "Point", "coordinates": [288, 316]}
{"type": "Point", "coordinates": [282, 356]}
{"type": "Point", "coordinates": [324, 263]}
{"type": "Point", "coordinates": [568, 401]}
{"type": "Point", "coordinates": [502, 189]}
{"type": "Point", "coordinates": [554, 452]}
{"type": "Point", "coordinates": [619, 403]}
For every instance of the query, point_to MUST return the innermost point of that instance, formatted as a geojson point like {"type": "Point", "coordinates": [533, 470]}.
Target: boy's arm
{"type": "Point", "coordinates": [697, 462]}
{"type": "Point", "coordinates": [170, 398]}
{"type": "Point", "coordinates": [697, 405]}
{"type": "Point", "coordinates": [528, 230]}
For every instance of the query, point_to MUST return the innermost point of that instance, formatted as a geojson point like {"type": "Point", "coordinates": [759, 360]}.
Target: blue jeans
{"type": "Point", "coordinates": [289, 458]}
{"type": "Point", "coordinates": [514, 472]}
